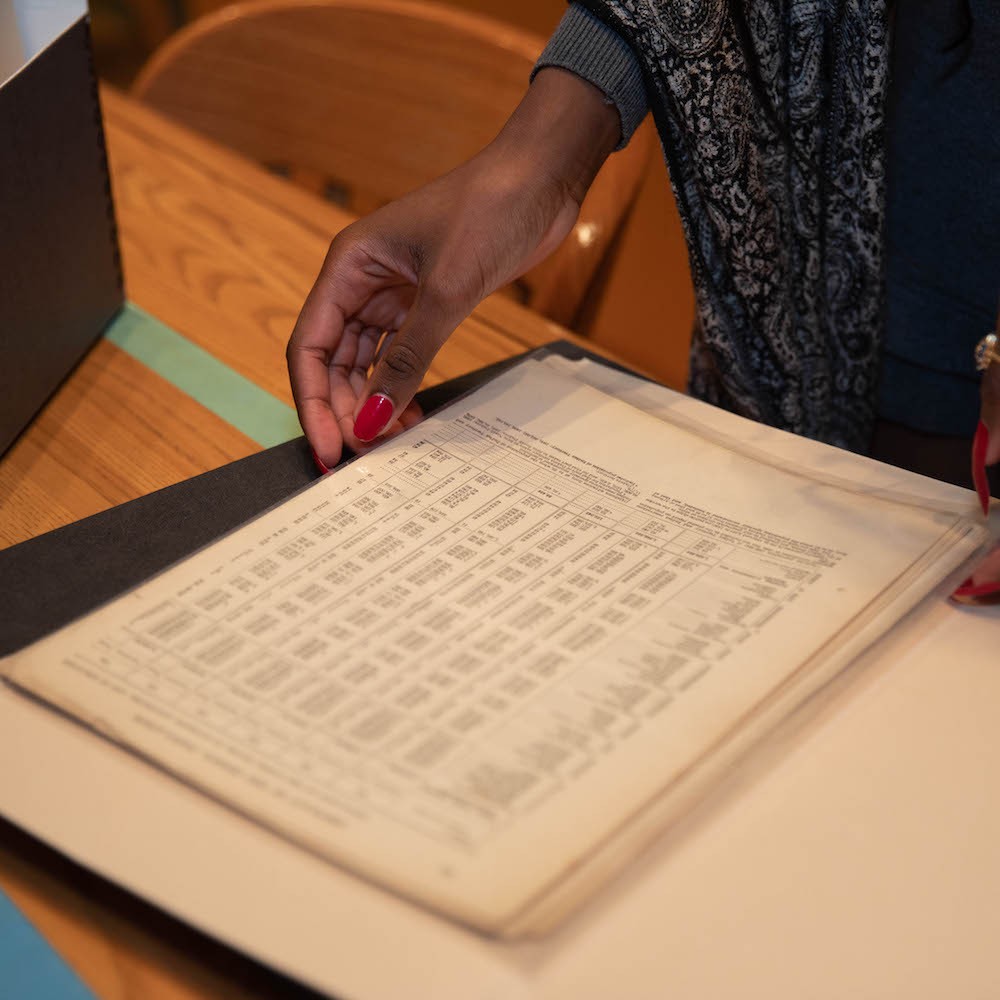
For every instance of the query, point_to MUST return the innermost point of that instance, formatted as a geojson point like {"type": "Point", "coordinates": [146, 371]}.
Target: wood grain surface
{"type": "Point", "coordinates": [224, 253]}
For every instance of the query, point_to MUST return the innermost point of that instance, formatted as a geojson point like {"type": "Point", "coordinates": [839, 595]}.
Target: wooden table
{"type": "Point", "coordinates": [223, 253]}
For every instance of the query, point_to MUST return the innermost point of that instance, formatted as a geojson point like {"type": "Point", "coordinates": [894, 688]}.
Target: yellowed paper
{"type": "Point", "coordinates": [463, 665]}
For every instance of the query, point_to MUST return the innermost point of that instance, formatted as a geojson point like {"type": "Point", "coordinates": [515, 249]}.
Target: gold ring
{"type": "Point", "coordinates": [987, 351]}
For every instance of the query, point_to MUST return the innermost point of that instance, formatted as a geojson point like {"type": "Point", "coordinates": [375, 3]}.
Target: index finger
{"type": "Point", "coordinates": [318, 333]}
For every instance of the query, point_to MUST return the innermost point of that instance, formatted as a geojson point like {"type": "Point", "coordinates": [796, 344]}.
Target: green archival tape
{"type": "Point", "coordinates": [230, 396]}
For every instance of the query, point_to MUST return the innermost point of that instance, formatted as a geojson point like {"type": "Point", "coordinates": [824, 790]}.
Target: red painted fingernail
{"type": "Point", "coordinates": [319, 462]}
{"type": "Point", "coordinates": [976, 593]}
{"type": "Point", "coordinates": [980, 443]}
{"type": "Point", "coordinates": [373, 418]}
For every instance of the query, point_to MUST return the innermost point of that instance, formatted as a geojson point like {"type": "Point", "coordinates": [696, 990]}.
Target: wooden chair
{"type": "Point", "coordinates": [364, 100]}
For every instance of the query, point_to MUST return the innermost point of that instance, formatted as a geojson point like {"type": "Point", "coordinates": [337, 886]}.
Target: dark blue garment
{"type": "Point", "coordinates": [943, 210]}
{"type": "Point", "coordinates": [943, 198]}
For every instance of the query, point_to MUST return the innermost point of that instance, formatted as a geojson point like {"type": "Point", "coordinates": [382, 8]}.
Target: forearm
{"type": "Point", "coordinates": [586, 46]}
{"type": "Point", "coordinates": [564, 128]}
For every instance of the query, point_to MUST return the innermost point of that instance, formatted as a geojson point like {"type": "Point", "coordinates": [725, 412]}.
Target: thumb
{"type": "Point", "coordinates": [399, 371]}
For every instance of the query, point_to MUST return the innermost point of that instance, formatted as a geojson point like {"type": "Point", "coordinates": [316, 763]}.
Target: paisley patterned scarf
{"type": "Point", "coordinates": [772, 116]}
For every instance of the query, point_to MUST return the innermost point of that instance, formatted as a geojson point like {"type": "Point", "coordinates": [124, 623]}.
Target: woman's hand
{"type": "Point", "coordinates": [396, 284]}
{"type": "Point", "coordinates": [986, 444]}
{"type": "Point", "coordinates": [983, 586]}
{"type": "Point", "coordinates": [989, 390]}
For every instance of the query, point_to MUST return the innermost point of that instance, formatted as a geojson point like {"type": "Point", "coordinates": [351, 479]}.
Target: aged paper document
{"type": "Point", "coordinates": [479, 665]}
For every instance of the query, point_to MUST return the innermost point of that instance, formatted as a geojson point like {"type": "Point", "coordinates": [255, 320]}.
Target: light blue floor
{"type": "Point", "coordinates": [29, 968]}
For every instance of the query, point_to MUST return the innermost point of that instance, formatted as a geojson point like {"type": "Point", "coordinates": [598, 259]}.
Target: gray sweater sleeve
{"type": "Point", "coordinates": [586, 46]}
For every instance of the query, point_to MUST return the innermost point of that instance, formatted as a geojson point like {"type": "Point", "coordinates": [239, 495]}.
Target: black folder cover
{"type": "Point", "coordinates": [48, 581]}
{"type": "Point", "coordinates": [60, 276]}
